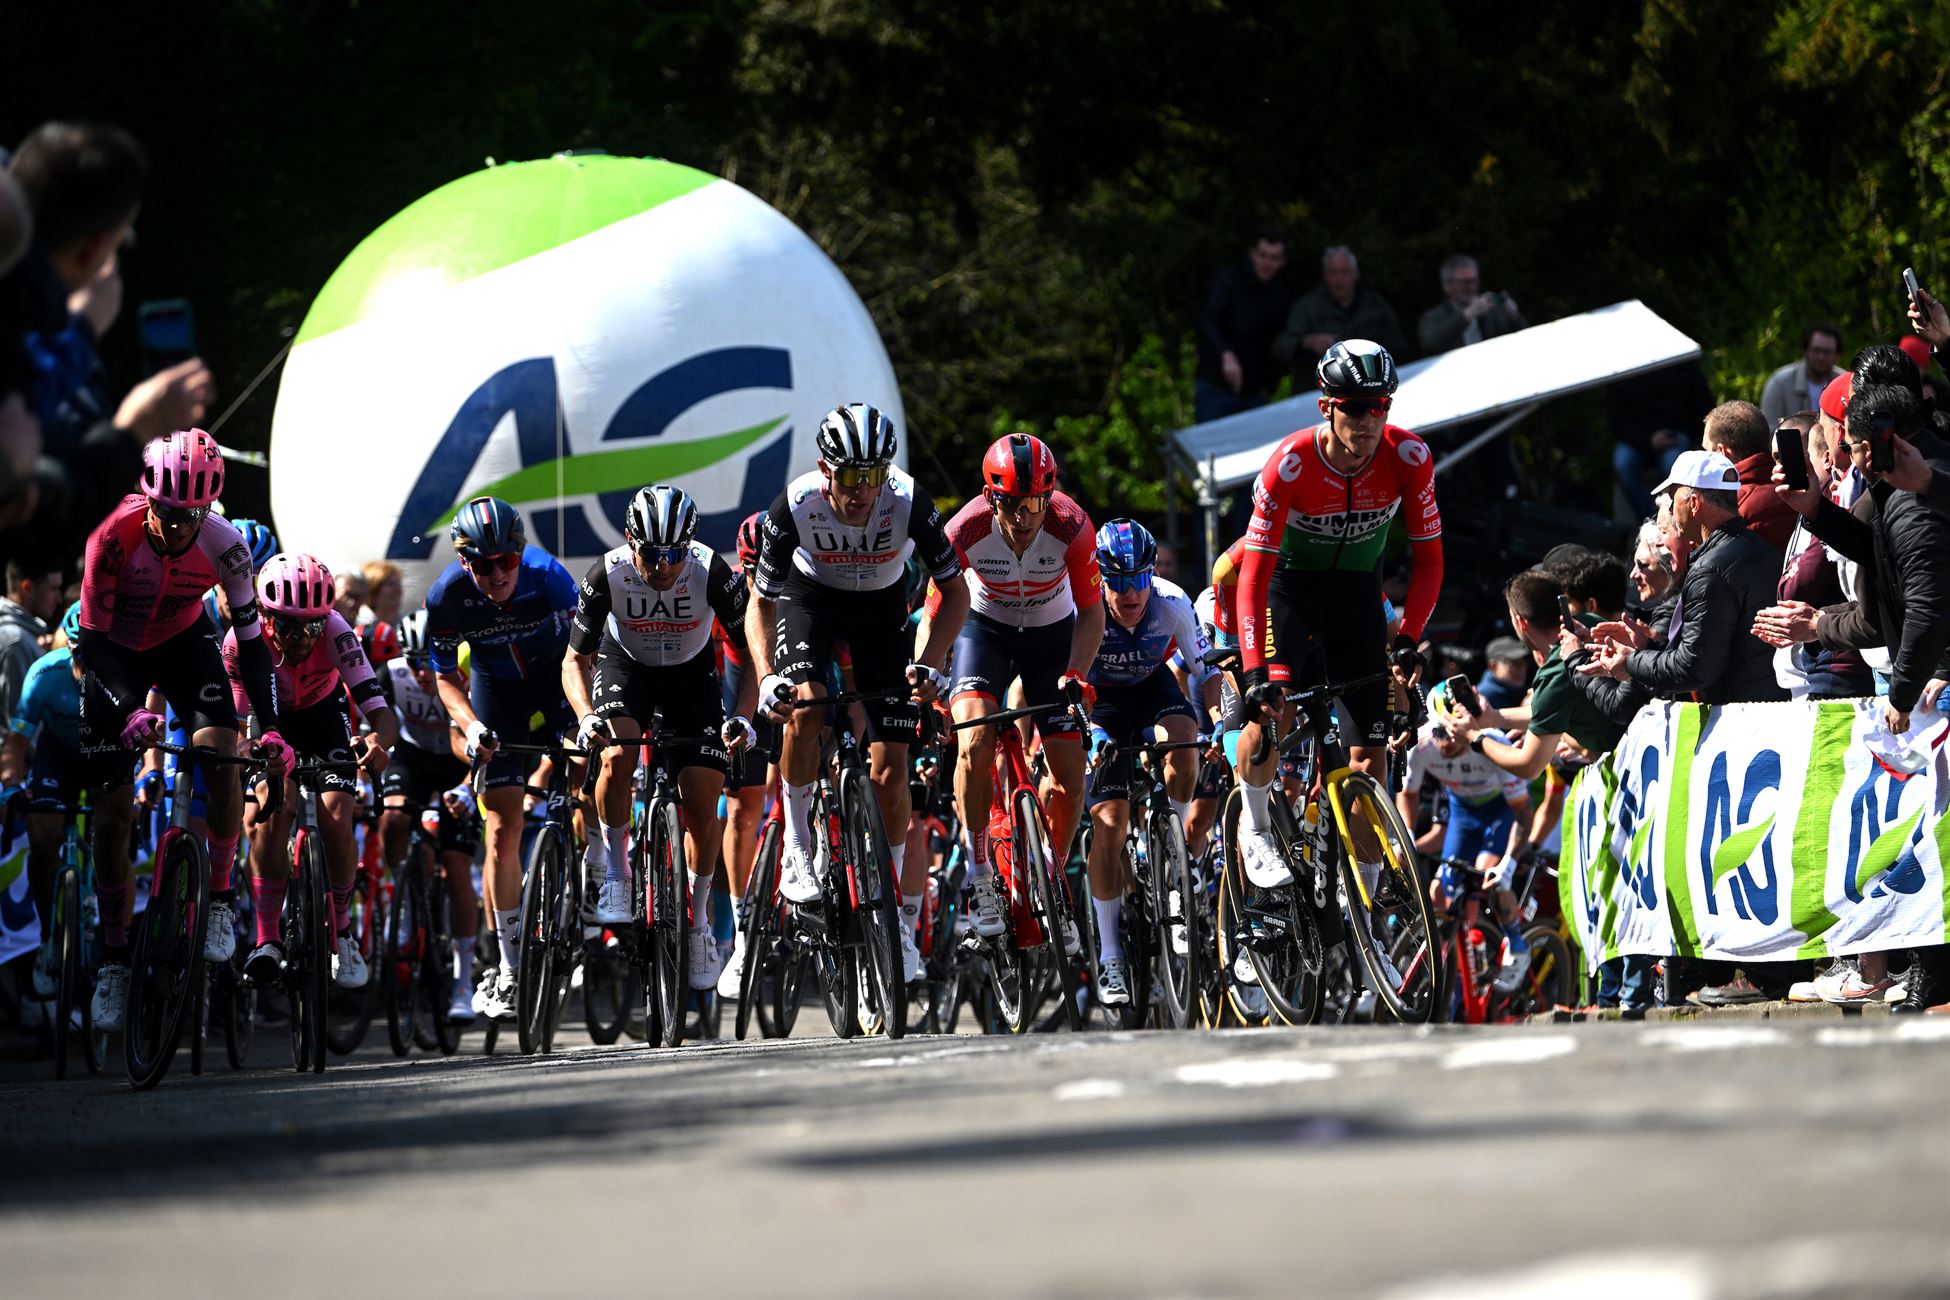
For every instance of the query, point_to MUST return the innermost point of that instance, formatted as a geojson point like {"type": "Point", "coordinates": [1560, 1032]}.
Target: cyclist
{"type": "Point", "coordinates": [429, 771]}
{"type": "Point", "coordinates": [318, 658]}
{"type": "Point", "coordinates": [511, 603]}
{"type": "Point", "coordinates": [1309, 602]}
{"type": "Point", "coordinates": [751, 776]}
{"type": "Point", "coordinates": [1037, 614]}
{"type": "Point", "coordinates": [1150, 618]}
{"type": "Point", "coordinates": [40, 764]}
{"type": "Point", "coordinates": [644, 624]}
{"type": "Point", "coordinates": [147, 567]}
{"type": "Point", "coordinates": [1486, 820]}
{"type": "Point", "coordinates": [831, 565]}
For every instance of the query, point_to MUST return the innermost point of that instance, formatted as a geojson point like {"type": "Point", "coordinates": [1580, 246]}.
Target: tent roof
{"type": "Point", "coordinates": [1503, 375]}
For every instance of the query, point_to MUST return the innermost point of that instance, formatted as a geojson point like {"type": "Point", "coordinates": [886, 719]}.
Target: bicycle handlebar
{"type": "Point", "coordinates": [1010, 715]}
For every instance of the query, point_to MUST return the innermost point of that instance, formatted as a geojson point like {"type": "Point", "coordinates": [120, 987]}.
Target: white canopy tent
{"type": "Point", "coordinates": [1509, 376]}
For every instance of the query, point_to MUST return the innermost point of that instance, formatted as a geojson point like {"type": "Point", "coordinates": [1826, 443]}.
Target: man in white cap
{"type": "Point", "coordinates": [1710, 653]}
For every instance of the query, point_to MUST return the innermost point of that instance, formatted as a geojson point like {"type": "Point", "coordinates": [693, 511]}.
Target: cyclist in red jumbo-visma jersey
{"type": "Point", "coordinates": [1309, 605]}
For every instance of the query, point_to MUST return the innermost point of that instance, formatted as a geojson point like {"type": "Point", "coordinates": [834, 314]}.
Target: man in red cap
{"type": "Point", "coordinates": [1847, 483]}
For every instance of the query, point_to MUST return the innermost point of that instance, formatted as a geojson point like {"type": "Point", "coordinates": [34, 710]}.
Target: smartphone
{"type": "Point", "coordinates": [1909, 284]}
{"type": "Point", "coordinates": [1564, 613]}
{"type": "Point", "coordinates": [1792, 456]}
{"type": "Point", "coordinates": [166, 330]}
{"type": "Point", "coordinates": [1882, 444]}
{"type": "Point", "coordinates": [1464, 694]}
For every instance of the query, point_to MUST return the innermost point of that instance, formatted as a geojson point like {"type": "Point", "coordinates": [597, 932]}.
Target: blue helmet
{"type": "Point", "coordinates": [487, 526]}
{"type": "Point", "coordinates": [71, 624]}
{"type": "Point", "coordinates": [259, 537]}
{"type": "Point", "coordinates": [1126, 552]}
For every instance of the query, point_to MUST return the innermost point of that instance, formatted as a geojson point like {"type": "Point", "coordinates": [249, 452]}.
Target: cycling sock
{"type": "Point", "coordinates": [898, 853]}
{"type": "Point", "coordinates": [596, 851]}
{"type": "Point", "coordinates": [115, 931]}
{"type": "Point", "coordinates": [267, 900]}
{"type": "Point", "coordinates": [979, 866]}
{"type": "Point", "coordinates": [507, 928]}
{"type": "Point", "coordinates": [1513, 932]}
{"type": "Point", "coordinates": [700, 900]}
{"type": "Point", "coordinates": [464, 962]}
{"type": "Point", "coordinates": [341, 909]}
{"type": "Point", "coordinates": [1370, 876]}
{"type": "Point", "coordinates": [1183, 807]}
{"type": "Point", "coordinates": [619, 850]}
{"type": "Point", "coordinates": [223, 856]}
{"type": "Point", "coordinates": [1254, 813]}
{"type": "Point", "coordinates": [1110, 939]}
{"type": "Point", "coordinates": [798, 819]}
{"type": "Point", "coordinates": [738, 912]}
{"type": "Point", "coordinates": [911, 909]}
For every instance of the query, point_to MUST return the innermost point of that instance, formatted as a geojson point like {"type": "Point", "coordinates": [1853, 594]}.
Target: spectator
{"type": "Point", "coordinates": [385, 591]}
{"type": "Point", "coordinates": [1506, 673]}
{"type": "Point", "coordinates": [1737, 431]}
{"type": "Point", "coordinates": [1595, 584]}
{"type": "Point", "coordinates": [1710, 655]}
{"type": "Point", "coordinates": [1244, 311]}
{"type": "Point", "coordinates": [349, 596]}
{"type": "Point", "coordinates": [1650, 417]}
{"type": "Point", "coordinates": [1339, 309]}
{"type": "Point", "coordinates": [1797, 385]}
{"type": "Point", "coordinates": [1654, 577]}
{"type": "Point", "coordinates": [16, 223]}
{"type": "Point", "coordinates": [1466, 314]}
{"type": "Point", "coordinates": [1811, 670]}
{"type": "Point", "coordinates": [26, 613]}
{"type": "Point", "coordinates": [1166, 565]}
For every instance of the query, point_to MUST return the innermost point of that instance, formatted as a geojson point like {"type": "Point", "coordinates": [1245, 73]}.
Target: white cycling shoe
{"type": "Point", "coordinates": [111, 1000]}
{"type": "Point", "coordinates": [1113, 983]}
{"type": "Point", "coordinates": [495, 999]}
{"type": "Point", "coordinates": [797, 879]}
{"type": "Point", "coordinates": [1515, 966]}
{"type": "Point", "coordinates": [705, 962]}
{"type": "Point", "coordinates": [220, 939]}
{"type": "Point", "coordinates": [734, 969]}
{"type": "Point", "coordinates": [349, 964]}
{"type": "Point", "coordinates": [614, 906]}
{"type": "Point", "coordinates": [460, 1007]}
{"type": "Point", "coordinates": [910, 953]}
{"type": "Point", "coordinates": [989, 906]}
{"type": "Point", "coordinates": [1264, 863]}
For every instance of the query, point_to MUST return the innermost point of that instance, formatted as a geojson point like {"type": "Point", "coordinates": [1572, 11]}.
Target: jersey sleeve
{"type": "Point", "coordinates": [725, 589]}
{"type": "Point", "coordinates": [592, 608]}
{"type": "Point", "coordinates": [1424, 523]}
{"type": "Point", "coordinates": [34, 691]}
{"type": "Point", "coordinates": [230, 555]}
{"type": "Point", "coordinates": [1080, 560]}
{"type": "Point", "coordinates": [1271, 495]}
{"type": "Point", "coordinates": [1419, 759]}
{"type": "Point", "coordinates": [355, 670]}
{"type": "Point", "coordinates": [101, 572]}
{"type": "Point", "coordinates": [233, 669]}
{"type": "Point", "coordinates": [929, 533]}
{"type": "Point", "coordinates": [778, 539]}
{"type": "Point", "coordinates": [1182, 621]}
{"type": "Point", "coordinates": [443, 626]}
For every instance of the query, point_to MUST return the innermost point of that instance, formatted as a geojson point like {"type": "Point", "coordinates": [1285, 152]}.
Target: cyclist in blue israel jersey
{"type": "Point", "coordinates": [512, 604]}
{"type": "Point", "coordinates": [1150, 619]}
{"type": "Point", "coordinates": [40, 764]}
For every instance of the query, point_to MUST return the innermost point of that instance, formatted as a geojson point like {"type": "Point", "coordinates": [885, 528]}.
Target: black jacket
{"type": "Point", "coordinates": [1243, 314]}
{"type": "Point", "coordinates": [1904, 550]}
{"type": "Point", "coordinates": [1716, 658]}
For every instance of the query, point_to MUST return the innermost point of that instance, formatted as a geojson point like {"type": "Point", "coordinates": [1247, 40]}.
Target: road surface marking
{"type": "Point", "coordinates": [1510, 1051]}
{"type": "Point", "coordinates": [1253, 1072]}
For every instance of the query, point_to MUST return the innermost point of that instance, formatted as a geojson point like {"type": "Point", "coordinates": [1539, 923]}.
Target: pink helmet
{"type": "Point", "coordinates": [184, 469]}
{"type": "Point", "coordinates": [295, 584]}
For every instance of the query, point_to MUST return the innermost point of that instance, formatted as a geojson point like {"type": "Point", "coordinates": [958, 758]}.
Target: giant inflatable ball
{"type": "Point", "coordinates": [559, 334]}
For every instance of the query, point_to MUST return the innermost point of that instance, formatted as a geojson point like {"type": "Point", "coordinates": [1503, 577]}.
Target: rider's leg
{"type": "Point", "coordinates": [395, 826]}
{"type": "Point", "coordinates": [338, 818]}
{"type": "Point", "coordinates": [799, 769]}
{"type": "Point", "coordinates": [44, 834]}
{"type": "Point", "coordinates": [974, 780]}
{"type": "Point", "coordinates": [502, 806]}
{"type": "Point", "coordinates": [224, 804]}
{"type": "Point", "coordinates": [1181, 765]}
{"type": "Point", "coordinates": [699, 787]}
{"type": "Point", "coordinates": [1109, 873]}
{"type": "Point", "coordinates": [615, 789]}
{"type": "Point", "coordinates": [270, 867]}
{"type": "Point", "coordinates": [1064, 750]}
{"type": "Point", "coordinates": [746, 809]}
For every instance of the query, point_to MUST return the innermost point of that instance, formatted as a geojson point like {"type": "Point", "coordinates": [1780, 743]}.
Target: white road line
{"type": "Point", "coordinates": [1088, 1090]}
{"type": "Point", "coordinates": [1717, 1038]}
{"type": "Point", "coordinates": [1255, 1072]}
{"type": "Point", "coordinates": [1518, 1050]}
{"type": "Point", "coordinates": [1923, 1031]}
{"type": "Point", "coordinates": [1594, 1276]}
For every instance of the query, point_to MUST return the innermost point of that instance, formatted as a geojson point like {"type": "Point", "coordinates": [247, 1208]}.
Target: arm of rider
{"type": "Point", "coordinates": [13, 759]}
{"type": "Point", "coordinates": [374, 748]}
{"type": "Point", "coordinates": [478, 739]}
{"type": "Point", "coordinates": [1086, 637]}
{"type": "Point", "coordinates": [945, 623]}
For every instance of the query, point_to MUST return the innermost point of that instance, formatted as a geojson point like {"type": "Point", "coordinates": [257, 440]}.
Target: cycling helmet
{"type": "Point", "coordinates": [660, 515]}
{"type": "Point", "coordinates": [380, 642]}
{"type": "Point", "coordinates": [750, 534]}
{"type": "Point", "coordinates": [1126, 547]}
{"type": "Point", "coordinates": [295, 584]}
{"type": "Point", "coordinates": [413, 634]}
{"type": "Point", "coordinates": [856, 434]}
{"type": "Point", "coordinates": [71, 624]}
{"type": "Point", "coordinates": [184, 470]}
{"type": "Point", "coordinates": [1019, 466]}
{"type": "Point", "coordinates": [487, 526]}
{"type": "Point", "coordinates": [259, 537]}
{"type": "Point", "coordinates": [1356, 368]}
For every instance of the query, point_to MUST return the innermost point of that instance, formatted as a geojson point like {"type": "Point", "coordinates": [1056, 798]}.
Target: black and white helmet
{"type": "Point", "coordinates": [660, 515]}
{"type": "Point", "coordinates": [856, 434]}
{"type": "Point", "coordinates": [413, 634]}
{"type": "Point", "coordinates": [1356, 368]}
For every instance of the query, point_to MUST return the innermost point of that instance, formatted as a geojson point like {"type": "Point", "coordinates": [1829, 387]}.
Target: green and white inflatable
{"type": "Point", "coordinates": [558, 334]}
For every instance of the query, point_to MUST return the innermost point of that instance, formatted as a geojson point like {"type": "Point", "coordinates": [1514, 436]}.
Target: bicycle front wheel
{"type": "Point", "coordinates": [1391, 916]}
{"type": "Point", "coordinates": [67, 960]}
{"type": "Point", "coordinates": [880, 914]}
{"type": "Point", "coordinates": [1270, 928]}
{"type": "Point", "coordinates": [1050, 896]}
{"type": "Point", "coordinates": [1171, 879]}
{"type": "Point", "coordinates": [400, 963]}
{"type": "Point", "coordinates": [759, 925]}
{"type": "Point", "coordinates": [669, 921]}
{"type": "Point", "coordinates": [167, 966]}
{"type": "Point", "coordinates": [346, 1027]}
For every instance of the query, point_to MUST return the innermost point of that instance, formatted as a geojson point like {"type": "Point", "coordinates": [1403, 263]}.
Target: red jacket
{"type": "Point", "coordinates": [1768, 517]}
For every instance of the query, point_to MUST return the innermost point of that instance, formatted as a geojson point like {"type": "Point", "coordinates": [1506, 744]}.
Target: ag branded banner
{"type": "Point", "coordinates": [1760, 832]}
{"type": "Point", "coordinates": [559, 334]}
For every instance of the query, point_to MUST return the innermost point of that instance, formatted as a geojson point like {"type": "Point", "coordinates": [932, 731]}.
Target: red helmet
{"type": "Point", "coordinates": [1019, 466]}
{"type": "Point", "coordinates": [380, 641]}
{"type": "Point", "coordinates": [748, 538]}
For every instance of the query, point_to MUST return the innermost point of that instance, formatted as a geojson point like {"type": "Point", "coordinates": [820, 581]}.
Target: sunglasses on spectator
{"type": "Point", "coordinates": [1123, 583]}
{"type": "Point", "coordinates": [1360, 406]}
{"type": "Point", "coordinates": [661, 554]}
{"type": "Point", "coordinates": [491, 563]}
{"type": "Point", "coordinates": [179, 516]}
{"type": "Point", "coordinates": [296, 629]}
{"type": "Point", "coordinates": [849, 477]}
{"type": "Point", "coordinates": [1014, 505]}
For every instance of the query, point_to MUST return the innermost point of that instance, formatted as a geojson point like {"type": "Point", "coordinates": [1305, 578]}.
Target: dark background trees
{"type": "Point", "coordinates": [1031, 198]}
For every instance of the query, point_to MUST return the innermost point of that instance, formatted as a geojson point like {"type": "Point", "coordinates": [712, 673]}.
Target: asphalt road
{"type": "Point", "coordinates": [1742, 1160]}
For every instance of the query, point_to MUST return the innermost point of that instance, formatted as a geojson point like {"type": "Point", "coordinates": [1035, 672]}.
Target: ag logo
{"type": "Point", "coordinates": [1414, 451]}
{"type": "Point", "coordinates": [528, 392]}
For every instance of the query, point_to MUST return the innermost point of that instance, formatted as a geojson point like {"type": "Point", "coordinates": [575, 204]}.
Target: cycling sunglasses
{"type": "Point", "coordinates": [179, 516]}
{"type": "Point", "coordinates": [417, 662]}
{"type": "Point", "coordinates": [1013, 505]}
{"type": "Point", "coordinates": [1361, 406]}
{"type": "Point", "coordinates": [849, 477]}
{"type": "Point", "coordinates": [491, 563]}
{"type": "Point", "coordinates": [662, 554]}
{"type": "Point", "coordinates": [1123, 583]}
{"type": "Point", "coordinates": [296, 629]}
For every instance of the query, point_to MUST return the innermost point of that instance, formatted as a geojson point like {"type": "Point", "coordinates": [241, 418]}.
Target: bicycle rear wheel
{"type": "Point", "coordinates": [239, 1014]}
{"type": "Point", "coordinates": [347, 1022]}
{"type": "Point", "coordinates": [401, 963]}
{"type": "Point", "coordinates": [879, 909]}
{"type": "Point", "coordinates": [1270, 928]}
{"type": "Point", "coordinates": [167, 965]}
{"type": "Point", "coordinates": [317, 967]}
{"type": "Point", "coordinates": [668, 917]}
{"type": "Point", "coordinates": [564, 926]}
{"type": "Point", "coordinates": [1050, 897]}
{"type": "Point", "coordinates": [1396, 912]}
{"type": "Point", "coordinates": [605, 991]}
{"type": "Point", "coordinates": [436, 977]}
{"type": "Point", "coordinates": [67, 960]}
{"type": "Point", "coordinates": [535, 970]}
{"type": "Point", "coordinates": [759, 926]}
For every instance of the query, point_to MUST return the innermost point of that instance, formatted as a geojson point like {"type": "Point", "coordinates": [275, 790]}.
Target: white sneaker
{"type": "Point", "coordinates": [220, 938]}
{"type": "Point", "coordinates": [797, 879]}
{"type": "Point", "coordinates": [1113, 985]}
{"type": "Point", "coordinates": [1242, 968]}
{"type": "Point", "coordinates": [705, 961]}
{"type": "Point", "coordinates": [111, 1001]}
{"type": "Point", "coordinates": [1265, 865]}
{"type": "Point", "coordinates": [460, 1007]}
{"type": "Point", "coordinates": [1515, 964]}
{"type": "Point", "coordinates": [910, 953]}
{"type": "Point", "coordinates": [47, 981]}
{"type": "Point", "coordinates": [988, 906]}
{"type": "Point", "coordinates": [734, 969]}
{"type": "Point", "coordinates": [348, 963]}
{"type": "Point", "coordinates": [614, 906]}
{"type": "Point", "coordinates": [495, 999]}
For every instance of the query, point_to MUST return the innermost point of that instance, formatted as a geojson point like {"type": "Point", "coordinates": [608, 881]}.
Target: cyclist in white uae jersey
{"type": "Point", "coordinates": [644, 623]}
{"type": "Point", "coordinates": [832, 566]}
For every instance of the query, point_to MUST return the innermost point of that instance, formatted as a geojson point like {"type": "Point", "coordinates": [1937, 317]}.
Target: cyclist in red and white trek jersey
{"type": "Point", "coordinates": [1037, 612]}
{"type": "Point", "coordinates": [147, 568]}
{"type": "Point", "coordinates": [319, 662]}
{"type": "Point", "coordinates": [1309, 607]}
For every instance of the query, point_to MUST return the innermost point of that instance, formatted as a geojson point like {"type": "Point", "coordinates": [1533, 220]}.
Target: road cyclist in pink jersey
{"type": "Point", "coordinates": [319, 661]}
{"type": "Point", "coordinates": [147, 567]}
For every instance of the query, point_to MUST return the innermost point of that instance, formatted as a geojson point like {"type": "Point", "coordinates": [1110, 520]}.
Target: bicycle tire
{"type": "Point", "coordinates": [317, 969]}
{"type": "Point", "coordinates": [1298, 998]}
{"type": "Point", "coordinates": [347, 1030]}
{"type": "Point", "coordinates": [670, 922]}
{"type": "Point", "coordinates": [564, 936]}
{"type": "Point", "coordinates": [239, 1015]}
{"type": "Point", "coordinates": [605, 990]}
{"type": "Point", "coordinates": [1171, 870]}
{"type": "Point", "coordinates": [1549, 981]}
{"type": "Point", "coordinates": [402, 962]}
{"type": "Point", "coordinates": [1399, 905]}
{"type": "Point", "coordinates": [199, 1026]}
{"type": "Point", "coordinates": [167, 962]}
{"type": "Point", "coordinates": [787, 995]}
{"type": "Point", "coordinates": [532, 951]}
{"type": "Point", "coordinates": [437, 969]}
{"type": "Point", "coordinates": [879, 906]}
{"type": "Point", "coordinates": [67, 960]}
{"type": "Point", "coordinates": [758, 925]}
{"type": "Point", "coordinates": [1051, 899]}
{"type": "Point", "coordinates": [944, 969]}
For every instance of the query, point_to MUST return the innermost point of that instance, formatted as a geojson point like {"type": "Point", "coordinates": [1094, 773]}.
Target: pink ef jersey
{"type": "Point", "coordinates": [141, 597]}
{"type": "Point", "coordinates": [335, 657]}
